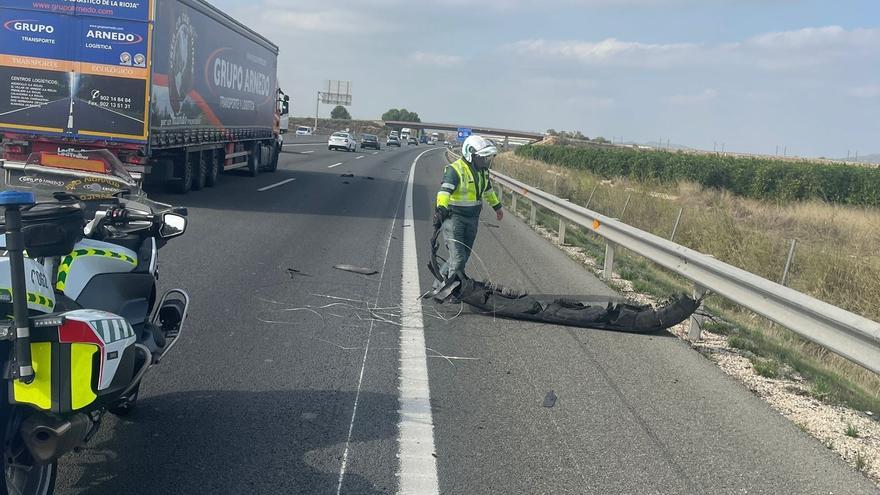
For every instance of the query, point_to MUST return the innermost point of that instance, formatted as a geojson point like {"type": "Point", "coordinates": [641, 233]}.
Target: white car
{"type": "Point", "coordinates": [342, 141]}
{"type": "Point", "coordinates": [303, 131]}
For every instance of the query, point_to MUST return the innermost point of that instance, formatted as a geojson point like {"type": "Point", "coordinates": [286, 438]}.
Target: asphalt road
{"type": "Point", "coordinates": [285, 383]}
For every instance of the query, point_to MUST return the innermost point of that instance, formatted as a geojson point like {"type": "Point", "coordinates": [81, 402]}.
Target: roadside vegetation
{"type": "Point", "coordinates": [758, 178]}
{"type": "Point", "coordinates": [836, 257]}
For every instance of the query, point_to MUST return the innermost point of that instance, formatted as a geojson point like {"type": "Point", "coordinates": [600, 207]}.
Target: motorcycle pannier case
{"type": "Point", "coordinates": [51, 229]}
{"type": "Point", "coordinates": [82, 360]}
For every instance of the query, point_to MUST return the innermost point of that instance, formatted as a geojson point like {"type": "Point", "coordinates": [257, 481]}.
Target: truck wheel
{"type": "Point", "coordinates": [266, 152]}
{"type": "Point", "coordinates": [183, 182]}
{"type": "Point", "coordinates": [254, 161]}
{"type": "Point", "coordinates": [273, 163]}
{"type": "Point", "coordinates": [214, 167]}
{"type": "Point", "coordinates": [200, 170]}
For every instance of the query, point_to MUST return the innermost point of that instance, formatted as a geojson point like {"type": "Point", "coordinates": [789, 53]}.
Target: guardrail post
{"type": "Point", "coordinates": [590, 199]}
{"type": "Point", "coordinates": [623, 211]}
{"type": "Point", "coordinates": [561, 238]}
{"type": "Point", "coordinates": [696, 321]}
{"type": "Point", "coordinates": [533, 215]}
{"type": "Point", "coordinates": [675, 227]}
{"type": "Point", "coordinates": [499, 192]}
{"type": "Point", "coordinates": [788, 262]}
{"type": "Point", "coordinates": [609, 261]}
{"type": "Point", "coordinates": [513, 201]}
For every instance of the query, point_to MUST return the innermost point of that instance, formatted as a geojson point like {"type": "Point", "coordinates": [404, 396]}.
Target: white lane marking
{"type": "Point", "coordinates": [335, 165]}
{"type": "Point", "coordinates": [359, 157]}
{"type": "Point", "coordinates": [375, 152]}
{"type": "Point", "coordinates": [357, 395]}
{"type": "Point", "coordinates": [306, 152]}
{"type": "Point", "coordinates": [285, 181]}
{"type": "Point", "coordinates": [418, 466]}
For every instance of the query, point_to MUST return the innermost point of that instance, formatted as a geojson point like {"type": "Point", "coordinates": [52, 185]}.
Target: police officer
{"type": "Point", "coordinates": [465, 185]}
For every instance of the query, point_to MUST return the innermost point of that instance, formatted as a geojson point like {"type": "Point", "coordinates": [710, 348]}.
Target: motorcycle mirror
{"type": "Point", "coordinates": [180, 210]}
{"type": "Point", "coordinates": [172, 225]}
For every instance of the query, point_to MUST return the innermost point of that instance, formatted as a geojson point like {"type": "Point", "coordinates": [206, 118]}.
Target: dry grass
{"type": "Point", "coordinates": [837, 258]}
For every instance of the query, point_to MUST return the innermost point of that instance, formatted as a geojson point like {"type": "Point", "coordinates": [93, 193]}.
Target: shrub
{"type": "Point", "coordinates": [760, 178]}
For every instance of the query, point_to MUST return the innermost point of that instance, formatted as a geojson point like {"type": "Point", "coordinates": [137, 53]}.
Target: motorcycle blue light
{"type": "Point", "coordinates": [17, 198]}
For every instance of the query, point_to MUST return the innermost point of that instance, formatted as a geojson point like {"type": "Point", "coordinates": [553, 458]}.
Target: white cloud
{"type": "Point", "coordinates": [309, 17]}
{"type": "Point", "coordinates": [808, 47]}
{"type": "Point", "coordinates": [805, 48]}
{"type": "Point", "coordinates": [868, 91]}
{"type": "Point", "coordinates": [565, 84]}
{"type": "Point", "coordinates": [436, 59]}
{"type": "Point", "coordinates": [610, 51]}
{"type": "Point", "coordinates": [816, 38]}
{"type": "Point", "coordinates": [593, 102]}
{"type": "Point", "coordinates": [693, 98]}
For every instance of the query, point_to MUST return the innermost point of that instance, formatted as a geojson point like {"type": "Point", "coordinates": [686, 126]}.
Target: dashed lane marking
{"type": "Point", "coordinates": [271, 186]}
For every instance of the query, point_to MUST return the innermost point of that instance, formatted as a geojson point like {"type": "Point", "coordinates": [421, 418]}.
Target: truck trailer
{"type": "Point", "coordinates": [176, 89]}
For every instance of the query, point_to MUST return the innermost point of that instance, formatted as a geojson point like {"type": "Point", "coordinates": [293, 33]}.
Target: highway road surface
{"type": "Point", "coordinates": [292, 375]}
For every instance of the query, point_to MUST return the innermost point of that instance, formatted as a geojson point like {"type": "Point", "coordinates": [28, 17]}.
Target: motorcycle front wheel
{"type": "Point", "coordinates": [21, 474]}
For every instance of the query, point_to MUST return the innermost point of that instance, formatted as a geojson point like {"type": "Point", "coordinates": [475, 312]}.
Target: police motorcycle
{"type": "Point", "coordinates": [80, 319]}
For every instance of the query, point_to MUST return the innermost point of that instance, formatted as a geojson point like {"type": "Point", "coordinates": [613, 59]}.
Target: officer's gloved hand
{"type": "Point", "coordinates": [440, 214]}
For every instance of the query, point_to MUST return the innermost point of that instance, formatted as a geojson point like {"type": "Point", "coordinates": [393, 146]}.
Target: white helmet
{"type": "Point", "coordinates": [477, 145]}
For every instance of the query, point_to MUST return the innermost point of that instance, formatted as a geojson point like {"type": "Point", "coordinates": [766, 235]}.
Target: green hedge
{"type": "Point", "coordinates": [768, 179]}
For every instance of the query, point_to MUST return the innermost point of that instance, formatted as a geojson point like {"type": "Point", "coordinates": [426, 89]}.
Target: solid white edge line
{"type": "Point", "coordinates": [335, 165]}
{"type": "Point", "coordinates": [307, 152]}
{"type": "Point", "coordinates": [344, 464]}
{"type": "Point", "coordinates": [285, 181]}
{"type": "Point", "coordinates": [359, 157]}
{"type": "Point", "coordinates": [418, 466]}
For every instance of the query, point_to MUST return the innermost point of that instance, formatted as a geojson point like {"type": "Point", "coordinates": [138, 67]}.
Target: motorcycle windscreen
{"type": "Point", "coordinates": [67, 69]}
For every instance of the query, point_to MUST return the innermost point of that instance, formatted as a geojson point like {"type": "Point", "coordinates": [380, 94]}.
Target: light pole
{"type": "Point", "coordinates": [317, 106]}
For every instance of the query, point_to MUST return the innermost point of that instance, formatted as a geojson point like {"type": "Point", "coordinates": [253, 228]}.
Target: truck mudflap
{"type": "Point", "coordinates": [582, 311]}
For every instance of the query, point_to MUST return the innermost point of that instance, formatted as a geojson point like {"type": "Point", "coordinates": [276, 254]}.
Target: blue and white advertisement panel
{"type": "Point", "coordinates": [75, 67]}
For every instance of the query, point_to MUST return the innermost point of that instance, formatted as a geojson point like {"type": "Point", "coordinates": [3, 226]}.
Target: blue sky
{"type": "Point", "coordinates": [751, 74]}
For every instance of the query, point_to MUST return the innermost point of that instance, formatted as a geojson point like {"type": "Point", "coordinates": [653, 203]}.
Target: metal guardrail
{"type": "Point", "coordinates": [842, 332]}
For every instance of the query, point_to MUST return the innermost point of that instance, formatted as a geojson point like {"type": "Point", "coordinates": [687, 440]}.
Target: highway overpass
{"type": "Point", "coordinates": [482, 130]}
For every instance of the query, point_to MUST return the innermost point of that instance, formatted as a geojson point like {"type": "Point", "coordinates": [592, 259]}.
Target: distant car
{"type": "Point", "coordinates": [392, 141]}
{"type": "Point", "coordinates": [394, 134]}
{"type": "Point", "coordinates": [342, 141]}
{"type": "Point", "coordinates": [303, 131]}
{"type": "Point", "coordinates": [445, 143]}
{"type": "Point", "coordinates": [370, 141]}
{"type": "Point", "coordinates": [413, 140]}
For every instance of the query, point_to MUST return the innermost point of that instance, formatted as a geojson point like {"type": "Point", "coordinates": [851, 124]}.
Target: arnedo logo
{"type": "Point", "coordinates": [115, 36]}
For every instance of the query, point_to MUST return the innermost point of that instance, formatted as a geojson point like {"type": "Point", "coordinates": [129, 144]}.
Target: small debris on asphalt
{"type": "Point", "coordinates": [494, 226]}
{"type": "Point", "coordinates": [346, 182]}
{"type": "Point", "coordinates": [369, 178]}
{"type": "Point", "coordinates": [294, 272]}
{"type": "Point", "coordinates": [550, 399]}
{"type": "Point", "coordinates": [347, 175]}
{"type": "Point", "coordinates": [356, 269]}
